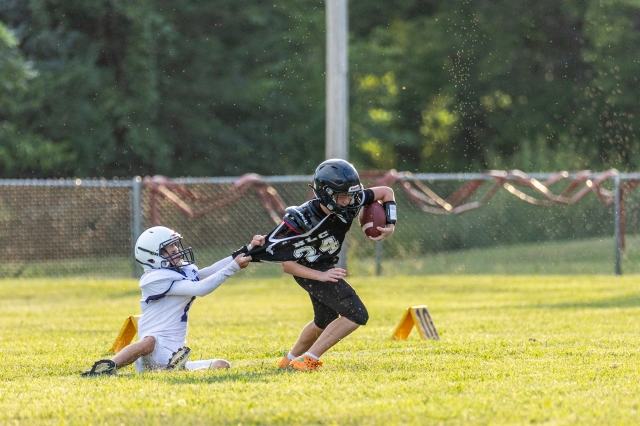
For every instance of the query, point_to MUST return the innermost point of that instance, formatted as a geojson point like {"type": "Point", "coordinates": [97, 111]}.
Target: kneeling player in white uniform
{"type": "Point", "coordinates": [170, 284]}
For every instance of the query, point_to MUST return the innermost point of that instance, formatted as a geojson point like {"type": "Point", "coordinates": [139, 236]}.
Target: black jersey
{"type": "Point", "coordinates": [307, 235]}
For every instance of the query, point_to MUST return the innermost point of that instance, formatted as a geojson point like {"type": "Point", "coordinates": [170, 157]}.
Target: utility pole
{"type": "Point", "coordinates": [617, 213]}
{"type": "Point", "coordinates": [337, 102]}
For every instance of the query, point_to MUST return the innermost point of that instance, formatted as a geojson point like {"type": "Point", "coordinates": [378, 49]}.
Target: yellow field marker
{"type": "Point", "coordinates": [418, 316]}
{"type": "Point", "coordinates": [127, 332]}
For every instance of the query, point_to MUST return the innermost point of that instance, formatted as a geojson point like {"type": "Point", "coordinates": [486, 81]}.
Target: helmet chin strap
{"type": "Point", "coordinates": [346, 212]}
{"type": "Point", "coordinates": [332, 205]}
{"type": "Point", "coordinates": [341, 217]}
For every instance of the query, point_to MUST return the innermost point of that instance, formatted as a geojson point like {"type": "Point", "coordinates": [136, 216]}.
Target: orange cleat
{"type": "Point", "coordinates": [285, 362]}
{"type": "Point", "coordinates": [305, 363]}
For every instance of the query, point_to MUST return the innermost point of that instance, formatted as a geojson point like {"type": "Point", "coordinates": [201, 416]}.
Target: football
{"type": "Point", "coordinates": [371, 217]}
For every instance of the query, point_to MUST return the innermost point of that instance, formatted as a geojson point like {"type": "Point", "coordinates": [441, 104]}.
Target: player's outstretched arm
{"type": "Point", "coordinates": [383, 193]}
{"type": "Point", "coordinates": [208, 284]}
{"type": "Point", "coordinates": [242, 260]}
{"type": "Point", "coordinates": [294, 268]}
{"type": "Point", "coordinates": [257, 240]}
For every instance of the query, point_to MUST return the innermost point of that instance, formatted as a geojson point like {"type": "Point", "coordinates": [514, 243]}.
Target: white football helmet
{"type": "Point", "coordinates": [148, 250]}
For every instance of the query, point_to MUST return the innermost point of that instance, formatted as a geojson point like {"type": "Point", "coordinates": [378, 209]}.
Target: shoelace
{"type": "Point", "coordinates": [313, 363]}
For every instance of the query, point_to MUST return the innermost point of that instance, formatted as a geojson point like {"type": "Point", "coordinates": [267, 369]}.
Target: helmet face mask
{"type": "Point", "coordinates": [335, 178]}
{"type": "Point", "coordinates": [161, 248]}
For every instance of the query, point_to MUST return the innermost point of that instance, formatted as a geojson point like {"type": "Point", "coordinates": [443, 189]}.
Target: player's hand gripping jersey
{"type": "Point", "coordinates": [307, 235]}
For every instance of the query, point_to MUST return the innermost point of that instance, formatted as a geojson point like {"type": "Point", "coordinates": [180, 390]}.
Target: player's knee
{"type": "Point", "coordinates": [324, 321]}
{"type": "Point", "coordinates": [219, 364]}
{"type": "Point", "coordinates": [146, 345]}
{"type": "Point", "coordinates": [358, 315]}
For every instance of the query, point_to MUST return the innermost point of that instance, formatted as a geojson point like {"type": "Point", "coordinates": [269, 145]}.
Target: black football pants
{"type": "Point", "coordinates": [331, 300]}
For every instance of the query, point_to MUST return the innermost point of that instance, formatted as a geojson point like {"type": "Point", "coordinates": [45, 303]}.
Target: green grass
{"type": "Point", "coordinates": [513, 350]}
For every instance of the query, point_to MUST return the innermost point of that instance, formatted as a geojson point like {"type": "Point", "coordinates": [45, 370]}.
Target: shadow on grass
{"type": "Point", "coordinates": [616, 302]}
{"type": "Point", "coordinates": [255, 372]}
{"type": "Point", "coordinates": [231, 376]}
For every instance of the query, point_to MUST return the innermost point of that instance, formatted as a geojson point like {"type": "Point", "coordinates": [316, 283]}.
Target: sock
{"type": "Point", "coordinates": [290, 356]}
{"type": "Point", "coordinates": [311, 355]}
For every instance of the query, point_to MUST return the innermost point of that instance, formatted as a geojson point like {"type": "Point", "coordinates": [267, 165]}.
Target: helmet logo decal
{"type": "Point", "coordinates": [338, 177]}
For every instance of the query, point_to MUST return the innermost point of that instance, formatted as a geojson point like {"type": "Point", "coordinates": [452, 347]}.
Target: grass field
{"type": "Point", "coordinates": [513, 350]}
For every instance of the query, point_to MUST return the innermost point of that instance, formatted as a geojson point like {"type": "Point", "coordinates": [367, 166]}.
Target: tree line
{"type": "Point", "coordinates": [105, 88]}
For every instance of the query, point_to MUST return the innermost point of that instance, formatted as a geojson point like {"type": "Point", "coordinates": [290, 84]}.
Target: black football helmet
{"type": "Point", "coordinates": [334, 177]}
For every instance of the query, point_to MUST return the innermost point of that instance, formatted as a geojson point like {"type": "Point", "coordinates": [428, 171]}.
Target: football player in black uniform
{"type": "Point", "coordinates": [307, 243]}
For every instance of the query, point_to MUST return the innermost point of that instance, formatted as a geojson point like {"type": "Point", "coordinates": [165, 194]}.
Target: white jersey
{"type": "Point", "coordinates": [167, 296]}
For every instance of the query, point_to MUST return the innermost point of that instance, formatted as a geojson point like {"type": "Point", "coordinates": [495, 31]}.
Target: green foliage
{"type": "Point", "coordinates": [21, 151]}
{"type": "Point", "coordinates": [30, 153]}
{"type": "Point", "coordinates": [538, 87]}
{"type": "Point", "coordinates": [119, 88]}
{"type": "Point", "coordinates": [13, 70]}
{"type": "Point", "coordinates": [242, 86]}
{"type": "Point", "coordinates": [513, 350]}
{"type": "Point", "coordinates": [613, 28]}
{"type": "Point", "coordinates": [97, 84]}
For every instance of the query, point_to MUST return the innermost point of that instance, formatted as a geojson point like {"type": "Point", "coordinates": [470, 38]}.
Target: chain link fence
{"type": "Point", "coordinates": [65, 227]}
{"type": "Point", "coordinates": [86, 227]}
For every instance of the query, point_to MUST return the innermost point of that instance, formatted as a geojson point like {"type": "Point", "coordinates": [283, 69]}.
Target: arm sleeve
{"type": "Point", "coordinates": [369, 197]}
{"type": "Point", "coordinates": [209, 270]}
{"type": "Point", "coordinates": [242, 250]}
{"type": "Point", "coordinates": [204, 286]}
